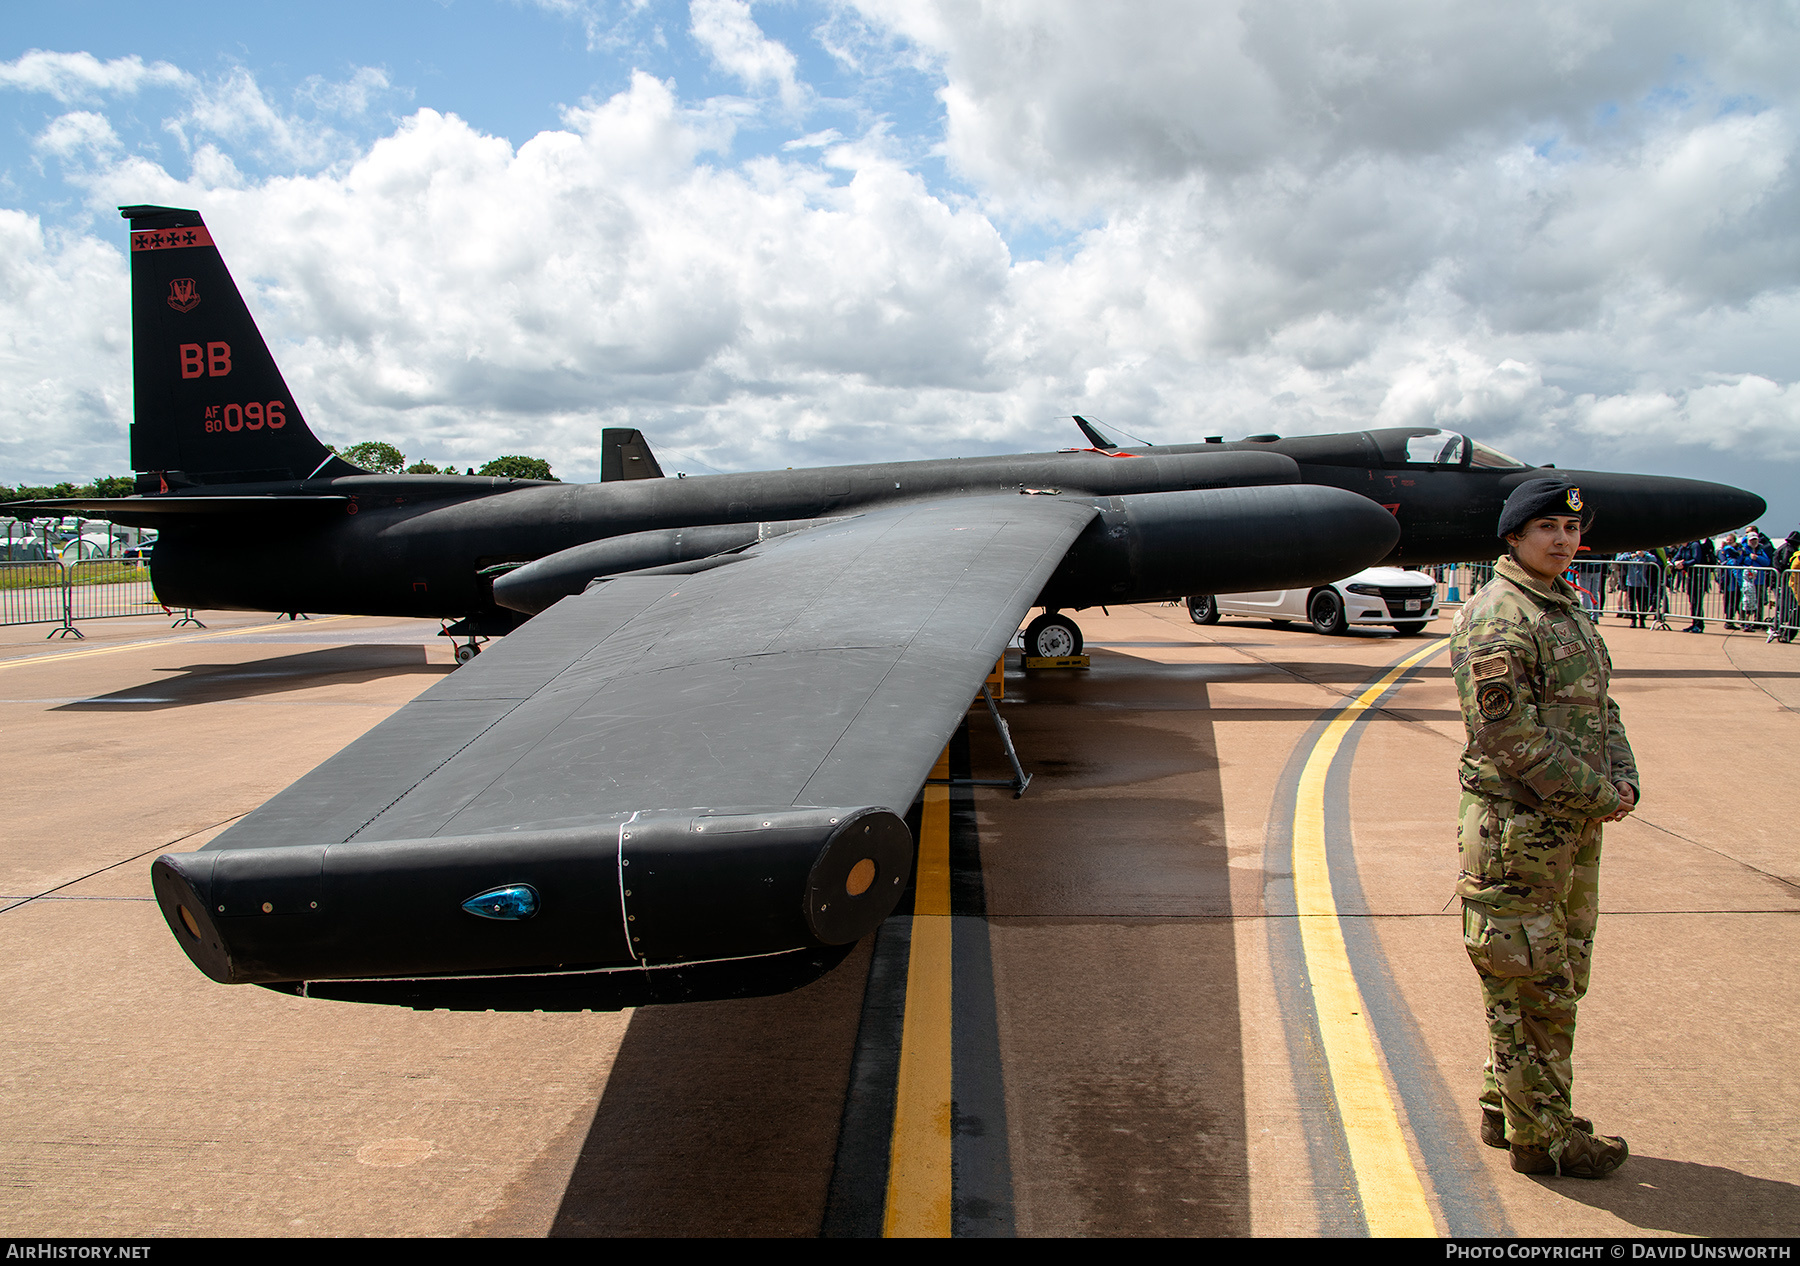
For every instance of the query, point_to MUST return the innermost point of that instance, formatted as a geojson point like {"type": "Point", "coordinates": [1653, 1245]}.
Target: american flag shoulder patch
{"type": "Point", "coordinates": [1489, 666]}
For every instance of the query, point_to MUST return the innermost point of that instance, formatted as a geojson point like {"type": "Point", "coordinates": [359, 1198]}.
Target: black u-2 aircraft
{"type": "Point", "coordinates": [683, 774]}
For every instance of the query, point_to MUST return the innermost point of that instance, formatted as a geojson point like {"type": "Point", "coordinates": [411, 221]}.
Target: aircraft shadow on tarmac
{"type": "Point", "coordinates": [1133, 679]}
{"type": "Point", "coordinates": [724, 1117]}
{"type": "Point", "coordinates": [1710, 1201]}
{"type": "Point", "coordinates": [220, 683]}
{"type": "Point", "coordinates": [718, 1118]}
{"type": "Point", "coordinates": [1116, 964]}
{"type": "Point", "coordinates": [1136, 685]}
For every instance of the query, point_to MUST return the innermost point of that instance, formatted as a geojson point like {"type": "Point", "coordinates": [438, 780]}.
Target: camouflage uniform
{"type": "Point", "coordinates": [1545, 747]}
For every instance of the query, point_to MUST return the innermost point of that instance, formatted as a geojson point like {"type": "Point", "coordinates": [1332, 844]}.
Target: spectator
{"type": "Point", "coordinates": [1731, 577]}
{"type": "Point", "coordinates": [1640, 580]}
{"type": "Point", "coordinates": [1592, 583]}
{"type": "Point", "coordinates": [1690, 563]}
{"type": "Point", "coordinates": [1787, 590]}
{"type": "Point", "coordinates": [1757, 562]}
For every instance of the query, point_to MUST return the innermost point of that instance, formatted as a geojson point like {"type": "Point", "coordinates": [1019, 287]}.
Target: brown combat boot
{"type": "Point", "coordinates": [1493, 1127]}
{"type": "Point", "coordinates": [1583, 1156]}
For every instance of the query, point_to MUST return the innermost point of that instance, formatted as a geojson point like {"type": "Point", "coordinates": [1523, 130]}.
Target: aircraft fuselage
{"type": "Point", "coordinates": [418, 545]}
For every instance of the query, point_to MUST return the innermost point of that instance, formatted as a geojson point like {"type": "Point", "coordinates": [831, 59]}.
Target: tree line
{"type": "Point", "coordinates": [384, 459]}
{"type": "Point", "coordinates": [105, 486]}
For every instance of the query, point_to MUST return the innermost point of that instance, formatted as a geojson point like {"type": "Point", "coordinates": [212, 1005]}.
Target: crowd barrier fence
{"type": "Point", "coordinates": [1456, 582]}
{"type": "Point", "coordinates": [92, 589]}
{"type": "Point", "coordinates": [32, 592]}
{"type": "Point", "coordinates": [1651, 595]}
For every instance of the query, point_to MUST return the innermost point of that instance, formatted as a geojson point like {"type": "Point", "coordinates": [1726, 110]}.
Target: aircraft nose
{"type": "Point", "coordinates": [1644, 511]}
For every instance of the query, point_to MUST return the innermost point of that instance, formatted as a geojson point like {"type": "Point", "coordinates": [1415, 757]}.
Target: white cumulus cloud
{"type": "Point", "coordinates": [73, 77]}
{"type": "Point", "coordinates": [729, 33]}
{"type": "Point", "coordinates": [80, 130]}
{"type": "Point", "coordinates": [65, 353]}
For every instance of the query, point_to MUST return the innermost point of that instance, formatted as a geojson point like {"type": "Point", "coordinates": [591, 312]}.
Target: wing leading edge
{"type": "Point", "coordinates": [746, 738]}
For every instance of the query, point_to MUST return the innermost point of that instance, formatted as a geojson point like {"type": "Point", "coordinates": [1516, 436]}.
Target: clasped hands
{"type": "Point", "coordinates": [1627, 802]}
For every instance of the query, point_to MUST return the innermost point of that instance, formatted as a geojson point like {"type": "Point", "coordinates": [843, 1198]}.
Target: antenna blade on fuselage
{"type": "Point", "coordinates": [1095, 436]}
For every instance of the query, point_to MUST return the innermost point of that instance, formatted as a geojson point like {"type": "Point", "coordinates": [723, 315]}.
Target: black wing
{"type": "Point", "coordinates": [745, 737]}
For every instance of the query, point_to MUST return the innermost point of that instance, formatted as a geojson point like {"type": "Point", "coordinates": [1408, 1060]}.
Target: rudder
{"type": "Point", "coordinates": [211, 406]}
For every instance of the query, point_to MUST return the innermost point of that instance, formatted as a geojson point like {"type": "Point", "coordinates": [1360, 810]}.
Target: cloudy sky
{"type": "Point", "coordinates": [795, 232]}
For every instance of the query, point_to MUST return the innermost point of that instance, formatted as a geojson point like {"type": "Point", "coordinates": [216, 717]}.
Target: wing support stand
{"type": "Point", "coordinates": [1020, 779]}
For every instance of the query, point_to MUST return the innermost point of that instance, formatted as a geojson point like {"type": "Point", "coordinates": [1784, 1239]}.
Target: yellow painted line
{"type": "Point", "coordinates": [1393, 1198]}
{"type": "Point", "coordinates": [87, 651]}
{"type": "Point", "coordinates": [918, 1192]}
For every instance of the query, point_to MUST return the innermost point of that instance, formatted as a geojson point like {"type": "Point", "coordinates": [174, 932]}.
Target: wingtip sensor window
{"type": "Point", "coordinates": [515, 901]}
{"type": "Point", "coordinates": [861, 877]}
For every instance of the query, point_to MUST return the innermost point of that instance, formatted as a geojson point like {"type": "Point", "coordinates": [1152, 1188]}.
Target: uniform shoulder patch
{"type": "Point", "coordinates": [1495, 700]}
{"type": "Point", "coordinates": [1490, 666]}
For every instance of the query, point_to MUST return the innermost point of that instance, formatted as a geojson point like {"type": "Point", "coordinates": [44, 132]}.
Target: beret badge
{"type": "Point", "coordinates": [1536, 498]}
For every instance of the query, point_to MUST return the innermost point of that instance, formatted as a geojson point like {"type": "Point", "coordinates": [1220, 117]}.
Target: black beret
{"type": "Point", "coordinates": [1536, 499]}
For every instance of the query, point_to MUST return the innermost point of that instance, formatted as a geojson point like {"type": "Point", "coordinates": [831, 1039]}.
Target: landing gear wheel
{"type": "Point", "coordinates": [1203, 608]}
{"type": "Point", "coordinates": [466, 653]}
{"type": "Point", "coordinates": [1052, 637]}
{"type": "Point", "coordinates": [1326, 611]}
{"type": "Point", "coordinates": [1412, 628]}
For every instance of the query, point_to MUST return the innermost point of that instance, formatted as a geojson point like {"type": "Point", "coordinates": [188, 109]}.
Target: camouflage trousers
{"type": "Point", "coordinates": [1531, 900]}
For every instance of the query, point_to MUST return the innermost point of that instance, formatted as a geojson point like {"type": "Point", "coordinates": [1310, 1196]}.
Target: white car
{"type": "Point", "coordinates": [1390, 597]}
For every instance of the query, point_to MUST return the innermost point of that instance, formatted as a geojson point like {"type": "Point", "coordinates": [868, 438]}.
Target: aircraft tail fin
{"type": "Point", "coordinates": [625, 454]}
{"type": "Point", "coordinates": [210, 404]}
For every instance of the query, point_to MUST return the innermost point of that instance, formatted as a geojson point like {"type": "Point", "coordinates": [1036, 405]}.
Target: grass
{"type": "Point", "coordinates": [92, 572]}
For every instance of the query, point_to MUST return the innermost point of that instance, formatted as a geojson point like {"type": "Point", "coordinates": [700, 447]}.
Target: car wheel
{"type": "Point", "coordinates": [1412, 628]}
{"type": "Point", "coordinates": [1326, 610]}
{"type": "Point", "coordinates": [1203, 609]}
{"type": "Point", "coordinates": [1279, 622]}
{"type": "Point", "coordinates": [1052, 637]}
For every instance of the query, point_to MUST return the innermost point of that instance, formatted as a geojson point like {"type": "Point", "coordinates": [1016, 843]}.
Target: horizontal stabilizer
{"type": "Point", "coordinates": [625, 454]}
{"type": "Point", "coordinates": [149, 511]}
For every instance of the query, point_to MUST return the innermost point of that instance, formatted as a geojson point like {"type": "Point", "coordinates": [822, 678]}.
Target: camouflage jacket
{"type": "Point", "coordinates": [1532, 675]}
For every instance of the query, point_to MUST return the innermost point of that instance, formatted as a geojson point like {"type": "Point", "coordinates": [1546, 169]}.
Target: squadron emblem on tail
{"type": "Point", "coordinates": [184, 295]}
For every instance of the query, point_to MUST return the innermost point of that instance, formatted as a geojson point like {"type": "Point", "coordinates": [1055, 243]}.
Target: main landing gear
{"type": "Point", "coordinates": [1052, 636]}
{"type": "Point", "coordinates": [465, 651]}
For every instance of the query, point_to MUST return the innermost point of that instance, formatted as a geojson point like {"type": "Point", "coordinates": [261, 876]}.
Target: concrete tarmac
{"type": "Point", "coordinates": [1145, 1037]}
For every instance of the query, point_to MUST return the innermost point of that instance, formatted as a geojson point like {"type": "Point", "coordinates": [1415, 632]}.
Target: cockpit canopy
{"type": "Point", "coordinates": [1394, 448]}
{"type": "Point", "coordinates": [1410, 446]}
